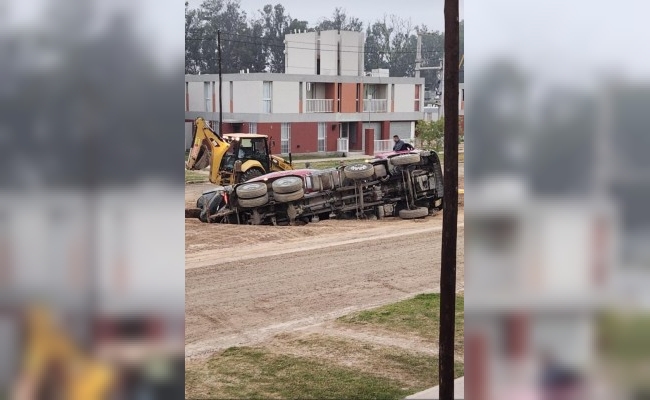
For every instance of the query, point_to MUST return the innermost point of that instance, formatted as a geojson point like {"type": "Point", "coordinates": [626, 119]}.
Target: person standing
{"type": "Point", "coordinates": [400, 145]}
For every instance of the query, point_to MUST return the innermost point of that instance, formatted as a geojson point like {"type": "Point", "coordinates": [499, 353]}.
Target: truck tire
{"type": "Point", "coordinates": [359, 171]}
{"type": "Point", "coordinates": [252, 203]}
{"type": "Point", "coordinates": [405, 159]}
{"type": "Point", "coordinates": [251, 190]}
{"type": "Point", "coordinates": [287, 184]}
{"type": "Point", "coordinates": [288, 197]}
{"type": "Point", "coordinates": [380, 171]}
{"type": "Point", "coordinates": [419, 212]}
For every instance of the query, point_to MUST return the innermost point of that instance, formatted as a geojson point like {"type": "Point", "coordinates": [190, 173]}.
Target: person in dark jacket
{"type": "Point", "coordinates": [400, 145]}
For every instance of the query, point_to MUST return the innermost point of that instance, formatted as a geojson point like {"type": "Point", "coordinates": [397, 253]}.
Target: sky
{"type": "Point", "coordinates": [419, 12]}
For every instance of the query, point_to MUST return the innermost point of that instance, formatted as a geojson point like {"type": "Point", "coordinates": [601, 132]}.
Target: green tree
{"type": "Point", "coordinates": [430, 134]}
{"type": "Point", "coordinates": [193, 37]}
{"type": "Point", "coordinates": [339, 20]}
{"type": "Point", "coordinates": [276, 24]}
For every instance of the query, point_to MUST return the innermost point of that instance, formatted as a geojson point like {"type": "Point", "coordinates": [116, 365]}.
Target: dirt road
{"type": "Point", "coordinates": [245, 284]}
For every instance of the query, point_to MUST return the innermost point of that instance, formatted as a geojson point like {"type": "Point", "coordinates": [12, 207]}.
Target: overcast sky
{"type": "Point", "coordinates": [429, 13]}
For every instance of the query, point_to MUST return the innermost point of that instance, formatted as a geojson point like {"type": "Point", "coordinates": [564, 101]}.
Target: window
{"type": "Point", "coordinates": [252, 127]}
{"type": "Point", "coordinates": [358, 97]}
{"type": "Point", "coordinates": [338, 98]}
{"type": "Point", "coordinates": [300, 96]}
{"type": "Point", "coordinates": [285, 139]}
{"type": "Point", "coordinates": [392, 97]}
{"type": "Point", "coordinates": [267, 95]}
{"type": "Point", "coordinates": [322, 136]}
{"type": "Point", "coordinates": [207, 96]}
{"type": "Point", "coordinates": [417, 98]}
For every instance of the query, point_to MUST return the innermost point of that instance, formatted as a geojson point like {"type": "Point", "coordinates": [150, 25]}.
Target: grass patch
{"type": "Point", "coordinates": [298, 157]}
{"type": "Point", "coordinates": [419, 315]}
{"type": "Point", "coordinates": [371, 372]}
{"type": "Point", "coordinates": [318, 164]}
{"type": "Point", "coordinates": [195, 177]}
{"type": "Point", "coordinates": [249, 373]}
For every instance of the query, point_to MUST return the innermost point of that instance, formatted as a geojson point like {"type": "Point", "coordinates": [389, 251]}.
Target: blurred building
{"type": "Point", "coordinates": [324, 102]}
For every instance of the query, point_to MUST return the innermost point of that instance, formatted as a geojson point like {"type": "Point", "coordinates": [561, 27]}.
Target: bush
{"type": "Point", "coordinates": [431, 134]}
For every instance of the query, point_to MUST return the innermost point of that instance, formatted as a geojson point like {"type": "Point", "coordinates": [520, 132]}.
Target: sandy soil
{"type": "Point", "coordinates": [245, 284]}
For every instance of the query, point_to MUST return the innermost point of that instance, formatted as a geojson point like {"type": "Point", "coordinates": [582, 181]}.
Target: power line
{"type": "Point", "coordinates": [378, 52]}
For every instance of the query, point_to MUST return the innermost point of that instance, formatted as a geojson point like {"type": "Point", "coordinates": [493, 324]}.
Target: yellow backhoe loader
{"type": "Point", "coordinates": [232, 158]}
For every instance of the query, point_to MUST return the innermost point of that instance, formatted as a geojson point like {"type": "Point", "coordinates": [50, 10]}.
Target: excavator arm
{"type": "Point", "coordinates": [208, 149]}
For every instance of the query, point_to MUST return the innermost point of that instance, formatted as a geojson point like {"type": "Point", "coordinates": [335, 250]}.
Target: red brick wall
{"type": "Point", "coordinates": [385, 130]}
{"type": "Point", "coordinates": [348, 97]}
{"type": "Point", "coordinates": [304, 137]}
{"type": "Point", "coordinates": [331, 137]}
{"type": "Point", "coordinates": [273, 131]}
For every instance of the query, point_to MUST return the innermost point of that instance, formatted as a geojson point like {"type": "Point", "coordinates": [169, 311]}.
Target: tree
{"type": "Point", "coordinates": [340, 21]}
{"type": "Point", "coordinates": [276, 24]}
{"type": "Point", "coordinates": [193, 34]}
{"type": "Point", "coordinates": [431, 134]}
{"type": "Point", "coordinates": [377, 46]}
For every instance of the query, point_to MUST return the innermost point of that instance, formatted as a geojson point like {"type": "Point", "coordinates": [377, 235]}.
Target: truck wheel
{"type": "Point", "coordinates": [252, 203]}
{"type": "Point", "coordinates": [287, 197]}
{"type": "Point", "coordinates": [405, 159]}
{"type": "Point", "coordinates": [287, 184]}
{"type": "Point", "coordinates": [251, 173]}
{"type": "Point", "coordinates": [251, 190]}
{"type": "Point", "coordinates": [419, 212]}
{"type": "Point", "coordinates": [359, 171]}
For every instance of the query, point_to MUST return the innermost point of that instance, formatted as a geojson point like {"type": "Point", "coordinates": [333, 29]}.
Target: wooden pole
{"type": "Point", "coordinates": [220, 96]}
{"type": "Point", "coordinates": [450, 201]}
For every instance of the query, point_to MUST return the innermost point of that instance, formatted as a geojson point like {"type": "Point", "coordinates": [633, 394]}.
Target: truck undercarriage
{"type": "Point", "coordinates": [404, 184]}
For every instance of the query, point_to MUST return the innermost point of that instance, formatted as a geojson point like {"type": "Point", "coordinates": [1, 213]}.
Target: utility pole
{"type": "Point", "coordinates": [220, 96]}
{"type": "Point", "coordinates": [418, 56]}
{"type": "Point", "coordinates": [450, 199]}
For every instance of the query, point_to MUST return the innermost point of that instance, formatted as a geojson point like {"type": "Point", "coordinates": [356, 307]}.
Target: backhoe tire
{"type": "Point", "coordinates": [419, 212]}
{"type": "Point", "coordinates": [359, 171]}
{"type": "Point", "coordinates": [251, 174]}
{"type": "Point", "coordinates": [252, 203]}
{"type": "Point", "coordinates": [251, 190]}
{"type": "Point", "coordinates": [288, 197]}
{"type": "Point", "coordinates": [287, 184]}
{"type": "Point", "coordinates": [405, 159]}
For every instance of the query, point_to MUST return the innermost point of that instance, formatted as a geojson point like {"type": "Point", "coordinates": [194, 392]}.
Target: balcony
{"type": "Point", "coordinates": [375, 105]}
{"type": "Point", "coordinates": [320, 105]}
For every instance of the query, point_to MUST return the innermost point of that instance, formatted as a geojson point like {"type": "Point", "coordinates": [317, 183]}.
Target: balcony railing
{"type": "Point", "coordinates": [319, 105]}
{"type": "Point", "coordinates": [375, 105]}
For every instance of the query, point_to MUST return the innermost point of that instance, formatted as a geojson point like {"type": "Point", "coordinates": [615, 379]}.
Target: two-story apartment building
{"type": "Point", "coordinates": [324, 96]}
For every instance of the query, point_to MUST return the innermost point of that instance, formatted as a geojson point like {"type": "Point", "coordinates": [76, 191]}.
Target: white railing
{"type": "Point", "coordinates": [385, 146]}
{"type": "Point", "coordinates": [375, 105]}
{"type": "Point", "coordinates": [342, 145]}
{"type": "Point", "coordinates": [319, 105]}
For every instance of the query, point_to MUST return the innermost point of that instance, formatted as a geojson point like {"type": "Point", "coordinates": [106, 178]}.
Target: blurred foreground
{"type": "Point", "coordinates": [91, 237]}
{"type": "Point", "coordinates": [557, 187]}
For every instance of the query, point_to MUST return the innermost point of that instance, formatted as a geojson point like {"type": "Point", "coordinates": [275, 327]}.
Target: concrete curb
{"type": "Point", "coordinates": [432, 393]}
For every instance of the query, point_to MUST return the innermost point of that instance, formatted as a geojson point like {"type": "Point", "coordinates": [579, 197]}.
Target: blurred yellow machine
{"type": "Point", "coordinates": [54, 367]}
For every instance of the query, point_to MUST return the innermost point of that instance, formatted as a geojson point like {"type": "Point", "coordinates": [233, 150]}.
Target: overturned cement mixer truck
{"type": "Point", "coordinates": [405, 184]}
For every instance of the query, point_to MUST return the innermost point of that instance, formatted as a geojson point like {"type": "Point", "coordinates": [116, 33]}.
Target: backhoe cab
{"type": "Point", "coordinates": [233, 158]}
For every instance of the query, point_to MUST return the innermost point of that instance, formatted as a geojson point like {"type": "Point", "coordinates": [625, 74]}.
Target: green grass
{"type": "Point", "coordinates": [419, 315]}
{"type": "Point", "coordinates": [319, 164]}
{"type": "Point", "coordinates": [249, 372]}
{"type": "Point", "coordinates": [195, 177]}
{"type": "Point", "coordinates": [299, 157]}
